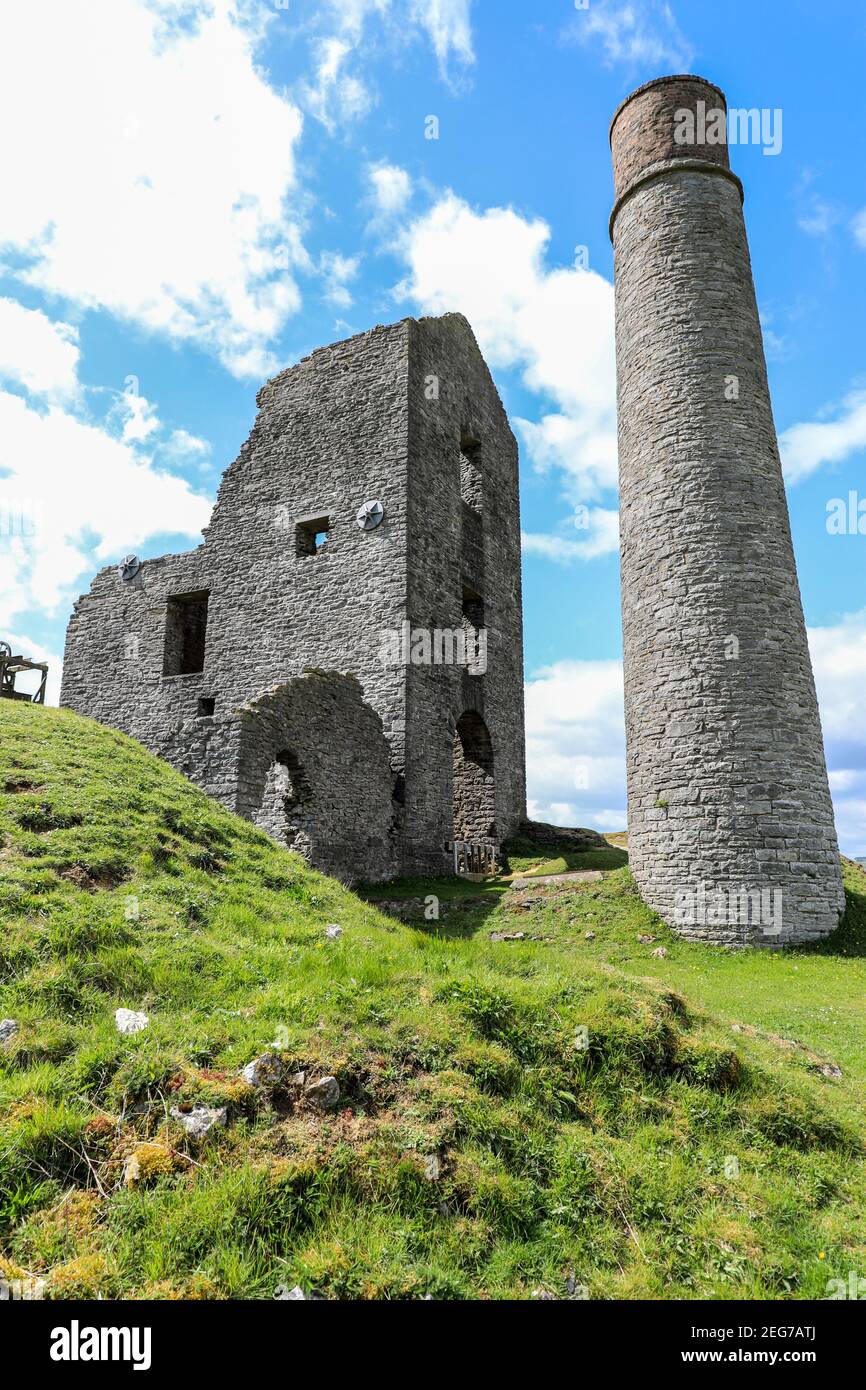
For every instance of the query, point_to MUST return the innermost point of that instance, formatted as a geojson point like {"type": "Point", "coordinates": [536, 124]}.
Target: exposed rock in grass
{"type": "Point", "coordinates": [130, 1022]}
{"type": "Point", "coordinates": [8, 1028]}
{"type": "Point", "coordinates": [324, 1093]}
{"type": "Point", "coordinates": [199, 1120]}
{"type": "Point", "coordinates": [266, 1071]}
{"type": "Point", "coordinates": [333, 931]}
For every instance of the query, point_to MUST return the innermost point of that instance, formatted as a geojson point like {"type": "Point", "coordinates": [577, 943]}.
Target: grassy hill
{"type": "Point", "coordinates": [515, 1114]}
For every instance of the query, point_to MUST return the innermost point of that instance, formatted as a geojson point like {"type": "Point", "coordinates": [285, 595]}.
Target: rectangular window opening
{"type": "Point", "coordinates": [206, 707]}
{"type": "Point", "coordinates": [471, 480]}
{"type": "Point", "coordinates": [311, 536]}
{"type": "Point", "coordinates": [473, 609]}
{"type": "Point", "coordinates": [185, 630]}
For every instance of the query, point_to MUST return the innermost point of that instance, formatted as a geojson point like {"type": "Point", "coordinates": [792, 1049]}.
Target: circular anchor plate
{"type": "Point", "coordinates": [370, 515]}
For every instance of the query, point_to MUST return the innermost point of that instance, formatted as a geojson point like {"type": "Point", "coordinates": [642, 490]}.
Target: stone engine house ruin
{"type": "Point", "coordinates": [304, 665]}
{"type": "Point", "coordinates": [378, 494]}
{"type": "Point", "coordinates": [727, 783]}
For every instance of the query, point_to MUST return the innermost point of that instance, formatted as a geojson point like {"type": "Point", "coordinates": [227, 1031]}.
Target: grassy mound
{"type": "Point", "coordinates": [517, 1113]}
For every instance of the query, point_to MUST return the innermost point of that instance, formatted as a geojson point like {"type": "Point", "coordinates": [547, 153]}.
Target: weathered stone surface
{"type": "Point", "coordinates": [200, 1119]}
{"type": "Point", "coordinates": [8, 1028]}
{"type": "Point", "coordinates": [727, 784]}
{"type": "Point", "coordinates": [129, 1021]}
{"type": "Point", "coordinates": [324, 1093]}
{"type": "Point", "coordinates": [287, 712]}
{"type": "Point", "coordinates": [266, 1071]}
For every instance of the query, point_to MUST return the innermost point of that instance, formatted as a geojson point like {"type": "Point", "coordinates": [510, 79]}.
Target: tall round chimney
{"type": "Point", "coordinates": [731, 834]}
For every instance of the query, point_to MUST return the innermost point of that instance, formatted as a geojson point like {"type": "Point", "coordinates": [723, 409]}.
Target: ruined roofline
{"type": "Point", "coordinates": [661, 82]}
{"type": "Point", "coordinates": [365, 333]}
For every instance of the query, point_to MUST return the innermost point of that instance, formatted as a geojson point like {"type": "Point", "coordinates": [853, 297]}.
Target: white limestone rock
{"type": "Point", "coordinates": [130, 1022]}
{"type": "Point", "coordinates": [201, 1119]}
{"type": "Point", "coordinates": [324, 1093]}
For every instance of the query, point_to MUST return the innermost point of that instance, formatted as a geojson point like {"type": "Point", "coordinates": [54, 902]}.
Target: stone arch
{"type": "Point", "coordinates": [474, 786]}
{"type": "Point", "coordinates": [313, 771]}
{"type": "Point", "coordinates": [286, 804]}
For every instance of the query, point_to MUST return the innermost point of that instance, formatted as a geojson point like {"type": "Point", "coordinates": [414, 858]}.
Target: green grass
{"type": "Point", "coordinates": [591, 1108]}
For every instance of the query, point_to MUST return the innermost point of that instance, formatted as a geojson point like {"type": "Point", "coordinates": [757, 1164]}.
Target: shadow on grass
{"type": "Point", "coordinates": [463, 907]}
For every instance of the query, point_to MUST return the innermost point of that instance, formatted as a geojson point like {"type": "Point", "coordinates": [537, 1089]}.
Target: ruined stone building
{"type": "Point", "coordinates": [378, 493]}
{"type": "Point", "coordinates": [727, 783]}
{"type": "Point", "coordinates": [303, 665]}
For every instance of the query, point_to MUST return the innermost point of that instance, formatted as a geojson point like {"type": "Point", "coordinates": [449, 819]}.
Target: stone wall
{"type": "Point", "coordinates": [349, 424]}
{"type": "Point", "coordinates": [464, 529]}
{"type": "Point", "coordinates": [727, 784]}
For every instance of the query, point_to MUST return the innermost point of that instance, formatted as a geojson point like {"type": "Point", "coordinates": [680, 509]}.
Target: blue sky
{"type": "Point", "coordinates": [199, 192]}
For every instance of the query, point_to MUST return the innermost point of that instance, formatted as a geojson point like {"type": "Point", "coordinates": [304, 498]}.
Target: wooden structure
{"type": "Point", "coordinates": [10, 667]}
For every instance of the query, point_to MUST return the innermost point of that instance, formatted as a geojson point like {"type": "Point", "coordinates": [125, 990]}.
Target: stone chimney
{"type": "Point", "coordinates": [731, 833]}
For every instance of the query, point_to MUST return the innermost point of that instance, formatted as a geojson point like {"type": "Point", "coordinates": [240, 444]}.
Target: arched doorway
{"type": "Point", "coordinates": [474, 802]}
{"type": "Point", "coordinates": [287, 794]}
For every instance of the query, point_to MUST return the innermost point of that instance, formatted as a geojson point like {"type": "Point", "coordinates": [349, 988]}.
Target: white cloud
{"type": "Point", "coordinates": [601, 534]}
{"type": "Point", "coordinates": [817, 217]}
{"type": "Point", "coordinates": [575, 735]}
{"type": "Point", "coordinates": [805, 447]}
{"type": "Point", "coordinates": [553, 324]}
{"type": "Point", "coordinates": [390, 188]}
{"type": "Point", "coordinates": [336, 96]}
{"type": "Point", "coordinates": [137, 416]}
{"type": "Point", "coordinates": [70, 491]}
{"type": "Point", "coordinates": [339, 94]}
{"type": "Point", "coordinates": [642, 34]}
{"type": "Point", "coordinates": [575, 745]}
{"type": "Point", "coordinates": [147, 166]}
{"type": "Point", "coordinates": [858, 227]}
{"type": "Point", "coordinates": [183, 445]}
{"type": "Point", "coordinates": [337, 271]}
{"type": "Point", "coordinates": [36, 353]}
{"type": "Point", "coordinates": [449, 25]}
{"type": "Point", "coordinates": [839, 662]}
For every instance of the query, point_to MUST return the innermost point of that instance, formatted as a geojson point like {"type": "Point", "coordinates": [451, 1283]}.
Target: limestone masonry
{"type": "Point", "coordinates": [727, 784]}
{"type": "Point", "coordinates": [288, 665]}
{"type": "Point", "coordinates": [282, 665]}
